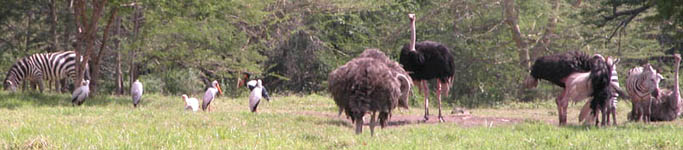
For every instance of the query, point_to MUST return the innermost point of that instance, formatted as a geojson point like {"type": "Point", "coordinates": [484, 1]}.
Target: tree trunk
{"type": "Point", "coordinates": [136, 30]}
{"type": "Point", "coordinates": [88, 26]}
{"type": "Point", "coordinates": [95, 73]}
{"type": "Point", "coordinates": [119, 74]}
{"type": "Point", "coordinates": [511, 20]}
{"type": "Point", "coordinates": [53, 25]}
{"type": "Point", "coordinates": [28, 30]}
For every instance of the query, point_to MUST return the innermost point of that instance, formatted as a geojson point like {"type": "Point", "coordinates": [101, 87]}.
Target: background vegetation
{"type": "Point", "coordinates": [179, 46]}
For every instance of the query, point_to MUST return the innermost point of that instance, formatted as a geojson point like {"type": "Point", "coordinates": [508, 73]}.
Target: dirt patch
{"type": "Point", "coordinates": [464, 120]}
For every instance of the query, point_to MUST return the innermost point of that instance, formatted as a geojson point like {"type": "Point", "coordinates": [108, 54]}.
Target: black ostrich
{"type": "Point", "coordinates": [369, 84]}
{"type": "Point", "coordinates": [580, 75]}
{"type": "Point", "coordinates": [425, 61]}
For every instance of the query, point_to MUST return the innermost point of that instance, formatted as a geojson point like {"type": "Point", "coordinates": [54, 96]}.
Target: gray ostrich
{"type": "Point", "coordinates": [667, 107]}
{"type": "Point", "coordinates": [369, 84]}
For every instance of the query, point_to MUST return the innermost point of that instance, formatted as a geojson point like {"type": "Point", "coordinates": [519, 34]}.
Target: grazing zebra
{"type": "Point", "coordinates": [642, 85]}
{"type": "Point", "coordinates": [42, 66]}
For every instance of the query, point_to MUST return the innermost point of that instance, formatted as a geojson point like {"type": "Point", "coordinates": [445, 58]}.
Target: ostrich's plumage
{"type": "Point", "coordinates": [368, 85]}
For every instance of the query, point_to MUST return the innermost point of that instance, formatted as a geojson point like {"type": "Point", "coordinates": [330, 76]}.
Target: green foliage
{"type": "Point", "coordinates": [183, 44]}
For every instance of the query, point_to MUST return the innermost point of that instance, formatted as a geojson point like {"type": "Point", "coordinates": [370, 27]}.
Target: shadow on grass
{"type": "Point", "coordinates": [14, 100]}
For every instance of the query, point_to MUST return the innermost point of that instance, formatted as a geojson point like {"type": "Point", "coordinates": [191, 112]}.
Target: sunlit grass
{"type": "Point", "coordinates": [49, 121]}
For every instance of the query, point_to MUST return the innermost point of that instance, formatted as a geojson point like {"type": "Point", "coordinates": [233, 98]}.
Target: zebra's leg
{"type": "Point", "coordinates": [562, 103]}
{"type": "Point", "coordinates": [58, 87]}
{"type": "Point", "coordinates": [425, 89]}
{"type": "Point", "coordinates": [24, 86]}
{"type": "Point", "coordinates": [41, 86]}
{"type": "Point", "coordinates": [438, 96]}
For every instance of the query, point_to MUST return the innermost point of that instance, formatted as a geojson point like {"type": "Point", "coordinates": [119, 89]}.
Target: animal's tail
{"type": "Point", "coordinates": [600, 78]}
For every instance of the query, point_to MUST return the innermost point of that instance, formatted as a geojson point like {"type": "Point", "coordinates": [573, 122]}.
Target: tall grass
{"type": "Point", "coordinates": [48, 121]}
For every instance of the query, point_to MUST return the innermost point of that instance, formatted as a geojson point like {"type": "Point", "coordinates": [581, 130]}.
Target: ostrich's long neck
{"type": "Point", "coordinates": [412, 35]}
{"type": "Point", "coordinates": [676, 94]}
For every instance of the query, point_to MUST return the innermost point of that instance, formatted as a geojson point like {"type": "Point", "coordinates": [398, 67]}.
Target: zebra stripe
{"type": "Point", "coordinates": [615, 82]}
{"type": "Point", "coordinates": [642, 81]}
{"type": "Point", "coordinates": [43, 66]}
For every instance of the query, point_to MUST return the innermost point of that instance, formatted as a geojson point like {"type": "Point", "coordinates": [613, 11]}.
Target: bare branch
{"type": "Point", "coordinates": [628, 12]}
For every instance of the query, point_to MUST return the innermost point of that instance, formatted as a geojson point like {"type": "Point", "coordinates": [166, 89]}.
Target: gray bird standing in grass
{"type": "Point", "coordinates": [211, 94]}
{"type": "Point", "coordinates": [79, 95]}
{"type": "Point", "coordinates": [257, 92]}
{"type": "Point", "coordinates": [136, 92]}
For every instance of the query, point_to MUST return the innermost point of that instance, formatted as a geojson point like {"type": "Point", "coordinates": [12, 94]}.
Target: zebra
{"type": "Point", "coordinates": [43, 66]}
{"type": "Point", "coordinates": [642, 84]}
{"type": "Point", "coordinates": [613, 100]}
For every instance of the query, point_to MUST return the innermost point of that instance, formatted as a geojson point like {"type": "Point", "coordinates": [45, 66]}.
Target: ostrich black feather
{"type": "Point", "coordinates": [429, 60]}
{"type": "Point", "coordinates": [555, 68]}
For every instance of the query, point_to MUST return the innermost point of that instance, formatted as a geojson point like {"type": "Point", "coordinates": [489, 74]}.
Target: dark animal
{"type": "Point", "coordinates": [580, 75]}
{"type": "Point", "coordinates": [369, 85]}
{"type": "Point", "coordinates": [425, 61]}
{"type": "Point", "coordinates": [667, 107]}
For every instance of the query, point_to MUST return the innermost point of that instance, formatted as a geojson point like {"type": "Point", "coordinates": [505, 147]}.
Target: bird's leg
{"type": "Point", "coordinates": [372, 124]}
{"type": "Point", "coordinates": [562, 107]}
{"type": "Point", "coordinates": [425, 89]}
{"type": "Point", "coordinates": [438, 96]}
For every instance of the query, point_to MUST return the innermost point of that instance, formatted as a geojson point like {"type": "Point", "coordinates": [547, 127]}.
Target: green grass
{"type": "Point", "coordinates": [48, 121]}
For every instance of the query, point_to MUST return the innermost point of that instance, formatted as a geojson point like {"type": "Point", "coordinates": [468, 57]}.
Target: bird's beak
{"type": "Point", "coordinates": [219, 89]}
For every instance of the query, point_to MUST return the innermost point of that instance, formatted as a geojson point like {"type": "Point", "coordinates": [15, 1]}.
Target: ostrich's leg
{"type": "Point", "coordinates": [372, 124]}
{"type": "Point", "coordinates": [425, 89]}
{"type": "Point", "coordinates": [562, 103]}
{"type": "Point", "coordinates": [359, 125]}
{"type": "Point", "coordinates": [438, 96]}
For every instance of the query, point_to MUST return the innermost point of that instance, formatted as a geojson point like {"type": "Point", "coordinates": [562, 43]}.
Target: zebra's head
{"type": "Point", "coordinates": [611, 61]}
{"type": "Point", "coordinates": [9, 85]}
{"type": "Point", "coordinates": [651, 79]}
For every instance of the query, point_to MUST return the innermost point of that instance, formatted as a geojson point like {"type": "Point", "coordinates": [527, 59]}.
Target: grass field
{"type": "Point", "coordinates": [48, 121]}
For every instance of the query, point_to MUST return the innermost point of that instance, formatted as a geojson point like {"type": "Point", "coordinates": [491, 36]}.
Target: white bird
{"type": "Point", "coordinates": [79, 95]}
{"type": "Point", "coordinates": [253, 83]}
{"type": "Point", "coordinates": [136, 92]}
{"type": "Point", "coordinates": [257, 92]}
{"type": "Point", "coordinates": [210, 95]}
{"type": "Point", "coordinates": [191, 103]}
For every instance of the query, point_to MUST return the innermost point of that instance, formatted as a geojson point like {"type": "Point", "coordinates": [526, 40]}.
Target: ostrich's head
{"type": "Point", "coordinates": [412, 17]}
{"type": "Point", "coordinates": [612, 62]}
